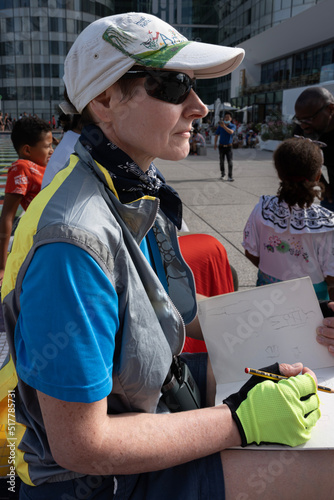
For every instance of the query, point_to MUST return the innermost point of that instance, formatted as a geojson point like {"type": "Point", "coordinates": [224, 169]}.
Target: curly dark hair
{"type": "Point", "coordinates": [298, 162]}
{"type": "Point", "coordinates": [28, 130]}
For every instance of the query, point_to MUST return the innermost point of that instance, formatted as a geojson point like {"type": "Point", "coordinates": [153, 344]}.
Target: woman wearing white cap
{"type": "Point", "coordinates": [98, 294]}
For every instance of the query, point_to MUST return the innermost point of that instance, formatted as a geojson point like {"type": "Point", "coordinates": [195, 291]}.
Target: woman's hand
{"type": "Point", "coordinates": [325, 333]}
{"type": "Point", "coordinates": [283, 412]}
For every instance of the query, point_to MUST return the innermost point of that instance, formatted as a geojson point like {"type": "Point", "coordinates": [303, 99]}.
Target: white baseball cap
{"type": "Point", "coordinates": [110, 46]}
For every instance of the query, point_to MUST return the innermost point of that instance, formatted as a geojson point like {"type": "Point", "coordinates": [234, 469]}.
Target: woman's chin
{"type": "Point", "coordinates": [176, 154]}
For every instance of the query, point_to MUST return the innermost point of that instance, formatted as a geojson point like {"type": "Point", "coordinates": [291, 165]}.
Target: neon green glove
{"type": "Point", "coordinates": [270, 412]}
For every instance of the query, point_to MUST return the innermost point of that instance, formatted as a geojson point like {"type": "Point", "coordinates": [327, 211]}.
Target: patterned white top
{"type": "Point", "coordinates": [291, 244]}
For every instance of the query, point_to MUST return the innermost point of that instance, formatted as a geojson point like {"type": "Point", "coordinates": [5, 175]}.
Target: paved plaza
{"type": "Point", "coordinates": [220, 208]}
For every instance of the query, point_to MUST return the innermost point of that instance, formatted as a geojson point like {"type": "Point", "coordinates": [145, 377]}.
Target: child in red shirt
{"type": "Point", "coordinates": [32, 140]}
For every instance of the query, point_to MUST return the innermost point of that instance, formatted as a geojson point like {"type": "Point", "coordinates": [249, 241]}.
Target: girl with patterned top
{"type": "Point", "coordinates": [289, 236]}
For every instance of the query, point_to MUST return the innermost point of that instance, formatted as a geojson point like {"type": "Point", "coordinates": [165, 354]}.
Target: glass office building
{"type": "Point", "coordinates": [35, 36]}
{"type": "Point", "coordinates": [271, 65]}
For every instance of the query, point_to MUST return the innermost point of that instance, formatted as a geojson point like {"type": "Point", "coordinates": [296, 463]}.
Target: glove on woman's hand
{"type": "Point", "coordinates": [270, 412]}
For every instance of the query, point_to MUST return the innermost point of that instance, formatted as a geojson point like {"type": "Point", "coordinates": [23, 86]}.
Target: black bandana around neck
{"type": "Point", "coordinates": [129, 180]}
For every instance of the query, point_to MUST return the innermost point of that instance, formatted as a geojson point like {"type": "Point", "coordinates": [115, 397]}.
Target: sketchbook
{"type": "Point", "coordinates": [258, 327]}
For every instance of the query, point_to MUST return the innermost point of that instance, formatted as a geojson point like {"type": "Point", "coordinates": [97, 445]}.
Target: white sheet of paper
{"type": "Point", "coordinates": [257, 327]}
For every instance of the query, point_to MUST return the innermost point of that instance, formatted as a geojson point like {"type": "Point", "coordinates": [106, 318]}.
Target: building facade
{"type": "Point", "coordinates": [35, 36]}
{"type": "Point", "coordinates": [289, 45]}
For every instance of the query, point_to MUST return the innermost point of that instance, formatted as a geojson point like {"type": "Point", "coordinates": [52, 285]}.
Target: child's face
{"type": "Point", "coordinates": [42, 151]}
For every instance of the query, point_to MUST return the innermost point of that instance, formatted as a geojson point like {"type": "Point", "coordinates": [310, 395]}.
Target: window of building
{"type": "Point", "coordinates": [20, 3]}
{"type": "Point", "coordinates": [55, 94]}
{"type": "Point", "coordinates": [41, 70]}
{"type": "Point", "coordinates": [261, 98]}
{"type": "Point", "coordinates": [278, 96]}
{"type": "Point", "coordinates": [26, 24]}
{"type": "Point", "coordinates": [24, 93]}
{"type": "Point", "coordinates": [327, 55]}
{"type": "Point", "coordinates": [23, 71]}
{"type": "Point", "coordinates": [308, 62]}
{"type": "Point", "coordinates": [18, 48]}
{"type": "Point", "coordinates": [57, 24]}
{"type": "Point", "coordinates": [17, 24]}
{"type": "Point", "coordinates": [7, 70]}
{"type": "Point", "coordinates": [269, 97]}
{"type": "Point", "coordinates": [247, 17]}
{"type": "Point", "coordinates": [57, 48]}
{"type": "Point", "coordinates": [55, 71]}
{"type": "Point", "coordinates": [88, 6]}
{"type": "Point", "coordinates": [277, 5]}
{"type": "Point", "coordinates": [269, 6]}
{"type": "Point", "coordinates": [102, 10]}
{"type": "Point", "coordinates": [9, 93]}
{"type": "Point", "coordinates": [9, 24]}
{"type": "Point", "coordinates": [65, 4]}
{"type": "Point", "coordinates": [36, 71]}
{"type": "Point", "coordinates": [61, 4]}
{"type": "Point", "coordinates": [62, 25]}
{"type": "Point", "coordinates": [286, 4]}
{"type": "Point", "coordinates": [37, 93]}
{"type": "Point", "coordinates": [35, 23]}
{"type": "Point", "coordinates": [304, 67]}
{"type": "Point", "coordinates": [6, 4]}
{"type": "Point", "coordinates": [45, 70]}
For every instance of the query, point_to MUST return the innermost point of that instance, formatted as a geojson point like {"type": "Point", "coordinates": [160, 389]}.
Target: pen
{"type": "Point", "coordinates": [273, 376]}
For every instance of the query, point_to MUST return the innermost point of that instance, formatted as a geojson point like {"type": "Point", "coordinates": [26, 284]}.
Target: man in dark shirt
{"type": "Point", "coordinates": [225, 132]}
{"type": "Point", "coordinates": [314, 117]}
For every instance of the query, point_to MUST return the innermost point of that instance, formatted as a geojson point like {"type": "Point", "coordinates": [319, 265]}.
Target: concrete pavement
{"type": "Point", "coordinates": [221, 208]}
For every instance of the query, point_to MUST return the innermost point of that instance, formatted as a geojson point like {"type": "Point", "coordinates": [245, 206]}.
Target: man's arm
{"type": "Point", "coordinates": [227, 129]}
{"type": "Point", "coordinates": [216, 138]}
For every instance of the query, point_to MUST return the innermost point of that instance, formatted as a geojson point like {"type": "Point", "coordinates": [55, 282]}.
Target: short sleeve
{"type": "Point", "coordinates": [17, 179]}
{"type": "Point", "coordinates": [251, 240]}
{"type": "Point", "coordinates": [65, 333]}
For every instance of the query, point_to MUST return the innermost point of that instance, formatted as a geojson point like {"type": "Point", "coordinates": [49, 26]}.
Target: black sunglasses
{"type": "Point", "coordinates": [168, 86]}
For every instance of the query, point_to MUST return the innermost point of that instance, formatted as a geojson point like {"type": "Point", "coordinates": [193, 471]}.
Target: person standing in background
{"type": "Point", "coordinates": [225, 131]}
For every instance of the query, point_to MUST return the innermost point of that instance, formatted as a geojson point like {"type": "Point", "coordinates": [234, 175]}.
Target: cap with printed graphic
{"type": "Point", "coordinates": [110, 46]}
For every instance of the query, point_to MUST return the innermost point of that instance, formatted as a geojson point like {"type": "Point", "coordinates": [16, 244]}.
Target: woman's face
{"type": "Point", "coordinates": [147, 128]}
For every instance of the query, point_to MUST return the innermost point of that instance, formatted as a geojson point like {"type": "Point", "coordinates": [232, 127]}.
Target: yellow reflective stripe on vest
{"type": "Point", "coordinates": [8, 376]}
{"type": "Point", "coordinates": [31, 219]}
{"type": "Point", "coordinates": [108, 179]}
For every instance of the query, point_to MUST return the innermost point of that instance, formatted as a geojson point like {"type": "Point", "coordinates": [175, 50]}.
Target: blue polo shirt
{"type": "Point", "coordinates": [225, 138]}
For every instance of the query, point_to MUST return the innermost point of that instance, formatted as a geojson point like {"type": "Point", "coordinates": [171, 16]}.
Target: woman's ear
{"type": "Point", "coordinates": [102, 105]}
